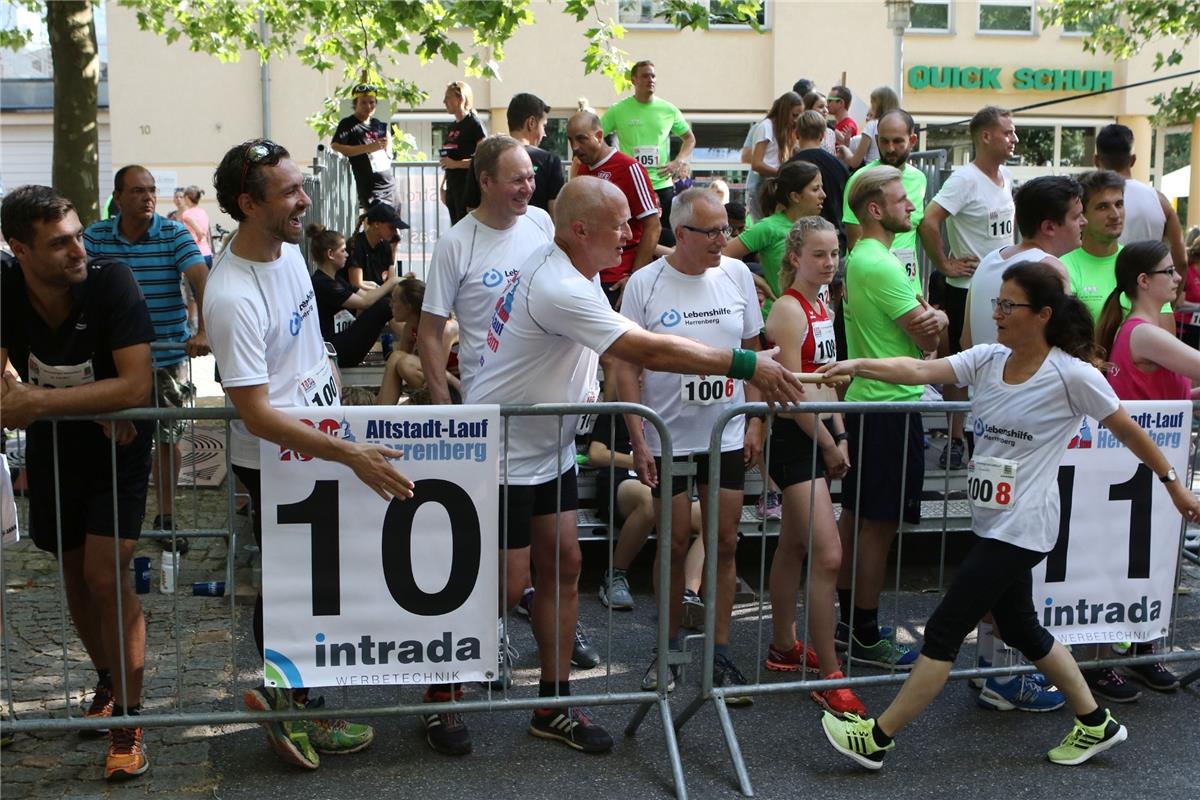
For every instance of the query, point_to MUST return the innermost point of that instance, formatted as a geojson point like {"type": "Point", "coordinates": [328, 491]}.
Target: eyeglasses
{"type": "Point", "coordinates": [1006, 306]}
{"type": "Point", "coordinates": [1167, 271]}
{"type": "Point", "coordinates": [711, 233]}
{"type": "Point", "coordinates": [259, 152]}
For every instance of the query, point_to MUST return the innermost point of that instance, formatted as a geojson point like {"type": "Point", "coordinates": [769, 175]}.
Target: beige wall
{"type": "Point", "coordinates": [173, 109]}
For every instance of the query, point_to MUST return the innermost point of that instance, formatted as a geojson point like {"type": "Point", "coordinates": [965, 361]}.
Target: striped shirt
{"type": "Point", "coordinates": [158, 259]}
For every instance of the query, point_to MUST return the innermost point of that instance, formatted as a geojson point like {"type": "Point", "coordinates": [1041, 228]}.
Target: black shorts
{"type": "Point", "coordinates": [888, 459]}
{"type": "Point", "coordinates": [792, 458]}
{"type": "Point", "coordinates": [526, 502]}
{"type": "Point", "coordinates": [86, 487]}
{"type": "Point", "coordinates": [955, 306]}
{"type": "Point", "coordinates": [733, 472]}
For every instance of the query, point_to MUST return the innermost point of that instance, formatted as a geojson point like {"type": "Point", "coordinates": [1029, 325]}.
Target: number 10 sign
{"type": "Point", "coordinates": [358, 591]}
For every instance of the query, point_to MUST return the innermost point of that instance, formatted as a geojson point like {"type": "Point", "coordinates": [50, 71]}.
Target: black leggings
{"type": "Point", "coordinates": [353, 344]}
{"type": "Point", "coordinates": [252, 480]}
{"type": "Point", "coordinates": [997, 577]}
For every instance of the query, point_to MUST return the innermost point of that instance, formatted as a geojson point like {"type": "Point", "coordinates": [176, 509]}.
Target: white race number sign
{"type": "Point", "coordinates": [1111, 575]}
{"type": "Point", "coordinates": [359, 591]}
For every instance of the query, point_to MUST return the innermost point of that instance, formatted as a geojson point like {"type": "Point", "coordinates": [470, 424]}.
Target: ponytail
{"type": "Point", "coordinates": [1070, 327]}
{"type": "Point", "coordinates": [1109, 322]}
{"type": "Point", "coordinates": [793, 177]}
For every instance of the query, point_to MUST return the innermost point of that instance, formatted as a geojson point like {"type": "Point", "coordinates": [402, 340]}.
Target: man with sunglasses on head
{"type": "Point", "coordinates": [364, 140]}
{"type": "Point", "coordinates": [266, 337]}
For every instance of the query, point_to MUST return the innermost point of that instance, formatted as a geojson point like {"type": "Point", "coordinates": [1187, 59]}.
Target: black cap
{"type": "Point", "coordinates": [384, 212]}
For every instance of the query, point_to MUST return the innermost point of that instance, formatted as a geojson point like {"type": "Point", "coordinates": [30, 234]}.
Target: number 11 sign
{"type": "Point", "coordinates": [362, 592]}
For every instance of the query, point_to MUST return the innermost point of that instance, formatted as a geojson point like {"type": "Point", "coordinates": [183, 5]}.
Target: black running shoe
{"type": "Point", "coordinates": [573, 727]}
{"type": "Point", "coordinates": [1106, 682]}
{"type": "Point", "coordinates": [727, 675]}
{"type": "Point", "coordinates": [446, 732]}
{"type": "Point", "coordinates": [583, 653]}
{"type": "Point", "coordinates": [1154, 676]}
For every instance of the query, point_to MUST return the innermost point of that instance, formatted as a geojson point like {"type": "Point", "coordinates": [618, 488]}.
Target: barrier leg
{"type": "Point", "coordinates": [735, 750]}
{"type": "Point", "coordinates": [664, 710]}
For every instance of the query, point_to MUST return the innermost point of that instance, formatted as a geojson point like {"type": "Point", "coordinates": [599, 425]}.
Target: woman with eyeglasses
{"type": "Point", "coordinates": [1146, 363]}
{"type": "Point", "coordinates": [458, 148]}
{"type": "Point", "coordinates": [1032, 386]}
{"type": "Point", "coordinates": [795, 192]}
{"type": "Point", "coordinates": [801, 326]}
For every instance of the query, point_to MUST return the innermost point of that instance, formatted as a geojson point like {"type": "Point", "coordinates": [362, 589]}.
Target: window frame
{"type": "Point", "coordinates": [1033, 18]}
{"type": "Point", "coordinates": [950, 18]}
{"type": "Point", "coordinates": [659, 25]}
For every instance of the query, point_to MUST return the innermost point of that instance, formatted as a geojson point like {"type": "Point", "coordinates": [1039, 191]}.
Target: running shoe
{"type": "Point", "coordinates": [1022, 693]}
{"type": "Point", "coordinates": [572, 726]}
{"type": "Point", "coordinates": [332, 736]}
{"type": "Point", "coordinates": [841, 634]}
{"type": "Point", "coordinates": [126, 755]}
{"type": "Point", "coordinates": [525, 604]}
{"type": "Point", "coordinates": [614, 590]}
{"type": "Point", "coordinates": [446, 732]}
{"type": "Point", "coordinates": [884, 653]}
{"type": "Point", "coordinates": [293, 746]}
{"type": "Point", "coordinates": [1154, 676]}
{"type": "Point", "coordinates": [1085, 741]}
{"type": "Point", "coordinates": [583, 653]}
{"type": "Point", "coordinates": [1106, 682]}
{"type": "Point", "coordinates": [798, 657]}
{"type": "Point", "coordinates": [650, 679]}
{"type": "Point", "coordinates": [953, 453]}
{"type": "Point", "coordinates": [774, 507]}
{"type": "Point", "coordinates": [852, 736]}
{"type": "Point", "coordinates": [101, 706]}
{"type": "Point", "coordinates": [727, 675]}
{"type": "Point", "coordinates": [839, 701]}
{"type": "Point", "coordinates": [693, 611]}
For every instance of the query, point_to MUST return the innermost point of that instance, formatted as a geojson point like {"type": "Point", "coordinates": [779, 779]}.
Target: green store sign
{"type": "Point", "coordinates": [1023, 79]}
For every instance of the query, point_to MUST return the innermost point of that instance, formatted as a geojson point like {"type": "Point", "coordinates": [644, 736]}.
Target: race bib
{"type": "Point", "coordinates": [60, 376]}
{"type": "Point", "coordinates": [706, 390]}
{"type": "Point", "coordinates": [908, 257]}
{"type": "Point", "coordinates": [342, 320]}
{"type": "Point", "coordinates": [992, 482]}
{"type": "Point", "coordinates": [320, 386]}
{"type": "Point", "coordinates": [586, 422]}
{"type": "Point", "coordinates": [825, 345]}
{"type": "Point", "coordinates": [647, 156]}
{"type": "Point", "coordinates": [1000, 223]}
{"type": "Point", "coordinates": [1194, 319]}
{"type": "Point", "coordinates": [381, 161]}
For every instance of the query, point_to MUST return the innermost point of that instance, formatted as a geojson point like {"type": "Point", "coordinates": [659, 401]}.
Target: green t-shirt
{"type": "Point", "coordinates": [768, 238]}
{"type": "Point", "coordinates": [1093, 279]}
{"type": "Point", "coordinates": [878, 292]}
{"type": "Point", "coordinates": [643, 132]}
{"type": "Point", "coordinates": [904, 246]}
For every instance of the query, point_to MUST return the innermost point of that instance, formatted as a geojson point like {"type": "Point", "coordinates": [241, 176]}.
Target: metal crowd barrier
{"type": "Point", "coordinates": [491, 701]}
{"type": "Point", "coordinates": [756, 686]}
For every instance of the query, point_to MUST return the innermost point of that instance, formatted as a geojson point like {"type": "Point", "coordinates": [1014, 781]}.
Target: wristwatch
{"type": "Point", "coordinates": [1169, 477]}
{"type": "Point", "coordinates": [841, 437]}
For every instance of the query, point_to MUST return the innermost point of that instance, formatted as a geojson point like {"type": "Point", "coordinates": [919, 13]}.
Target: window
{"type": "Point", "coordinates": [1005, 16]}
{"type": "Point", "coordinates": [1035, 147]}
{"type": "Point", "coordinates": [930, 16]}
{"type": "Point", "coordinates": [650, 12]}
{"type": "Point", "coordinates": [1078, 147]}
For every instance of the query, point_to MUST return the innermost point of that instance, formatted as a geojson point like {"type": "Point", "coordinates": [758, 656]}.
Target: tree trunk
{"type": "Point", "coordinates": [76, 169]}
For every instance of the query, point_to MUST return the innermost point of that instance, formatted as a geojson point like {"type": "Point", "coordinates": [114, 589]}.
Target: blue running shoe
{"type": "Point", "coordinates": [1022, 693]}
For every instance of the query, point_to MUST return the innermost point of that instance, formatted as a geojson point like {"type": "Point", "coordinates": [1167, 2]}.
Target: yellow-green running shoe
{"type": "Point", "coordinates": [852, 736]}
{"type": "Point", "coordinates": [1085, 741]}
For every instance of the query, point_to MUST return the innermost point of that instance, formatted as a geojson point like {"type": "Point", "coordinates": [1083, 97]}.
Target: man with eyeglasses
{"type": "Point", "coordinates": [550, 323]}
{"type": "Point", "coordinates": [704, 296]}
{"type": "Point", "coordinates": [160, 252]}
{"type": "Point", "coordinates": [266, 337]}
{"type": "Point", "coordinates": [365, 141]}
{"type": "Point", "coordinates": [585, 135]}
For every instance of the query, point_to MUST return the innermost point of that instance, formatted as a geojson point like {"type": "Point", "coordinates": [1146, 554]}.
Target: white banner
{"type": "Point", "coordinates": [357, 591]}
{"type": "Point", "coordinates": [1111, 576]}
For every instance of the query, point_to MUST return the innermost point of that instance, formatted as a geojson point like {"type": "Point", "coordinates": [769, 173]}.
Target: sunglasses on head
{"type": "Point", "coordinates": [259, 152]}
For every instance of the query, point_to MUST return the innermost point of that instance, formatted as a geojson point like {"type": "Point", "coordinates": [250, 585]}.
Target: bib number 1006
{"type": "Point", "coordinates": [701, 389]}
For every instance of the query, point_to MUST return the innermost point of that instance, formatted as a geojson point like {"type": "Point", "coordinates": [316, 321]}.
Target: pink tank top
{"type": "Point", "coordinates": [1132, 383]}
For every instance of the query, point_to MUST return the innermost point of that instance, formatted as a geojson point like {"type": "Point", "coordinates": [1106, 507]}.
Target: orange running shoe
{"type": "Point", "coordinates": [101, 706]}
{"type": "Point", "coordinates": [126, 755]}
{"type": "Point", "coordinates": [798, 658]}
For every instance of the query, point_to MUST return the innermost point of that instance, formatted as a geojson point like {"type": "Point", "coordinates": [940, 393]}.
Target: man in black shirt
{"type": "Point", "coordinates": [79, 334]}
{"type": "Point", "coordinates": [373, 249]}
{"type": "Point", "coordinates": [811, 131]}
{"type": "Point", "coordinates": [527, 115]}
{"type": "Point", "coordinates": [364, 140]}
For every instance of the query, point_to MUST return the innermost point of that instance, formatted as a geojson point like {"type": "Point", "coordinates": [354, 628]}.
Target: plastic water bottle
{"type": "Point", "coordinates": [209, 588]}
{"type": "Point", "coordinates": [385, 343]}
{"type": "Point", "coordinates": [169, 570]}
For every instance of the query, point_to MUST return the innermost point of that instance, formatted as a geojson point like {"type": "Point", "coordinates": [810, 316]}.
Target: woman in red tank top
{"type": "Point", "coordinates": [800, 324]}
{"type": "Point", "coordinates": [1147, 363]}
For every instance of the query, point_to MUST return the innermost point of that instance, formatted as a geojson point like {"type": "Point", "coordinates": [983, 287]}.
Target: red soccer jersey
{"type": "Point", "coordinates": [848, 125]}
{"type": "Point", "coordinates": [631, 178]}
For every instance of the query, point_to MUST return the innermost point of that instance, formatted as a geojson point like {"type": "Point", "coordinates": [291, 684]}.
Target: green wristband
{"type": "Point", "coordinates": [743, 364]}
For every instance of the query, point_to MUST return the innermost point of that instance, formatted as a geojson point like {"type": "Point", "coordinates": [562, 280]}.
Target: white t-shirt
{"type": "Point", "coordinates": [985, 285]}
{"type": "Point", "coordinates": [1030, 423]}
{"type": "Point", "coordinates": [870, 130]}
{"type": "Point", "coordinates": [469, 267]}
{"type": "Point", "coordinates": [545, 332]}
{"type": "Point", "coordinates": [9, 532]}
{"type": "Point", "coordinates": [262, 325]}
{"type": "Point", "coordinates": [981, 214]}
{"type": "Point", "coordinates": [1144, 218]}
{"type": "Point", "coordinates": [765, 132]}
{"type": "Point", "coordinates": [718, 308]}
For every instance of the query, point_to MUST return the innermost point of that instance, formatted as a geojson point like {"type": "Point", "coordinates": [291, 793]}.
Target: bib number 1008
{"type": "Point", "coordinates": [703, 390]}
{"type": "Point", "coordinates": [983, 491]}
